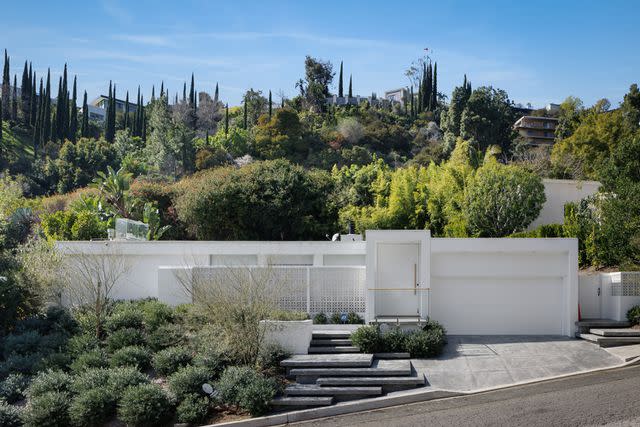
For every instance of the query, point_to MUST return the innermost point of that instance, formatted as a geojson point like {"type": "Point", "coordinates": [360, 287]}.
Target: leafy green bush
{"type": "Point", "coordinates": [156, 314]}
{"type": "Point", "coordinates": [246, 388]}
{"type": "Point", "coordinates": [212, 360]}
{"type": "Point", "coordinates": [82, 343]}
{"type": "Point", "coordinates": [10, 416]}
{"type": "Point", "coordinates": [394, 340]}
{"type": "Point", "coordinates": [13, 388]}
{"type": "Point", "coordinates": [169, 360]}
{"type": "Point", "coordinates": [320, 319]}
{"type": "Point", "coordinates": [25, 343]}
{"type": "Point", "coordinates": [425, 343]}
{"type": "Point", "coordinates": [164, 336]}
{"type": "Point", "coordinates": [336, 318]}
{"type": "Point", "coordinates": [131, 356]}
{"type": "Point", "coordinates": [28, 364]}
{"type": "Point", "coordinates": [121, 319]}
{"type": "Point", "coordinates": [633, 315]}
{"type": "Point", "coordinates": [270, 357]}
{"type": "Point", "coordinates": [124, 338]}
{"type": "Point", "coordinates": [90, 379]}
{"type": "Point", "coordinates": [48, 410]}
{"type": "Point", "coordinates": [57, 360]}
{"type": "Point", "coordinates": [288, 315]}
{"type": "Point", "coordinates": [121, 378]}
{"type": "Point", "coordinates": [188, 380]}
{"type": "Point", "coordinates": [92, 408]}
{"type": "Point", "coordinates": [368, 339]}
{"type": "Point", "coordinates": [193, 409]}
{"type": "Point", "coordinates": [354, 319]}
{"type": "Point", "coordinates": [49, 381]}
{"type": "Point", "coordinates": [145, 405]}
{"type": "Point", "coordinates": [90, 359]}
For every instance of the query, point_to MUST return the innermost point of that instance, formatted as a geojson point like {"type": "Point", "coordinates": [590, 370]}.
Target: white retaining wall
{"type": "Point", "coordinates": [560, 192]}
{"type": "Point", "coordinates": [609, 295]}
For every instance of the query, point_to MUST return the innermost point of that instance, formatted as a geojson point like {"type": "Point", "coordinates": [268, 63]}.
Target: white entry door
{"type": "Point", "coordinates": [398, 272]}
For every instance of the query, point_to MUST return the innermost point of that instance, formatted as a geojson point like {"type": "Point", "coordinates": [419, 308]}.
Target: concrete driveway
{"type": "Point", "coordinates": [471, 363]}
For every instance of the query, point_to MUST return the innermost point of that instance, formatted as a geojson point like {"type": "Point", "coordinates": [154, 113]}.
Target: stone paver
{"type": "Point", "coordinates": [475, 362]}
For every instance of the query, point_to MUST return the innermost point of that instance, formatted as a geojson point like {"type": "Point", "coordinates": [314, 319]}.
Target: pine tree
{"type": "Point", "coordinates": [46, 118]}
{"type": "Point", "coordinates": [25, 95]}
{"type": "Point", "coordinates": [37, 128]}
{"type": "Point", "coordinates": [340, 91]}
{"type": "Point", "coordinates": [244, 119]}
{"type": "Point", "coordinates": [126, 112]}
{"type": "Point", "coordinates": [162, 89]}
{"type": "Point", "coordinates": [350, 87]}
{"type": "Point", "coordinates": [153, 93]}
{"type": "Point", "coordinates": [84, 128]}
{"type": "Point", "coordinates": [192, 94]}
{"type": "Point", "coordinates": [33, 99]}
{"type": "Point", "coordinates": [226, 120]}
{"type": "Point", "coordinates": [14, 99]}
{"type": "Point", "coordinates": [6, 82]}
{"type": "Point", "coordinates": [216, 96]}
{"type": "Point", "coordinates": [270, 105]}
{"type": "Point", "coordinates": [73, 113]}
{"type": "Point", "coordinates": [434, 90]}
{"type": "Point", "coordinates": [65, 105]}
{"type": "Point", "coordinates": [184, 92]}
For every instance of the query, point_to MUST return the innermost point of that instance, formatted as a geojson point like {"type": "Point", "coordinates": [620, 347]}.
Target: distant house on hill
{"type": "Point", "coordinates": [98, 107]}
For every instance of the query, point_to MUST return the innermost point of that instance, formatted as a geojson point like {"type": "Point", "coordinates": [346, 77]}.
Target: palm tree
{"type": "Point", "coordinates": [114, 186]}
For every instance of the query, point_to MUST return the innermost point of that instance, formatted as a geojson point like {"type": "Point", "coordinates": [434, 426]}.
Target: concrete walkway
{"type": "Point", "coordinates": [471, 363]}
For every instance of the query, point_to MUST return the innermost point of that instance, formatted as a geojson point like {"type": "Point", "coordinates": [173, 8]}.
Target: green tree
{"type": "Point", "coordinates": [318, 77]}
{"type": "Point", "coordinates": [340, 91]}
{"type": "Point", "coordinates": [451, 119]}
{"type": "Point", "coordinates": [84, 127]}
{"type": "Point", "coordinates": [114, 187]}
{"type": "Point", "coordinates": [6, 83]}
{"type": "Point", "coordinates": [73, 120]}
{"type": "Point", "coordinates": [350, 87]}
{"type": "Point", "coordinates": [569, 117]}
{"type": "Point", "coordinates": [280, 136]}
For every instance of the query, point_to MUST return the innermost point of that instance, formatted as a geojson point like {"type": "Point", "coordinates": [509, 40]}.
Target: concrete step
{"type": "Point", "coordinates": [316, 390]}
{"type": "Point", "coordinates": [333, 349]}
{"type": "Point", "coordinates": [331, 341]}
{"type": "Point", "coordinates": [302, 401]}
{"type": "Point", "coordinates": [356, 360]}
{"type": "Point", "coordinates": [619, 332]}
{"type": "Point", "coordinates": [372, 381]}
{"type": "Point", "coordinates": [330, 334]}
{"type": "Point", "coordinates": [383, 368]}
{"type": "Point", "coordinates": [391, 355]}
{"type": "Point", "coordinates": [610, 341]}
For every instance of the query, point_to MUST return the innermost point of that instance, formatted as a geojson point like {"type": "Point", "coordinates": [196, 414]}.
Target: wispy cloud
{"type": "Point", "coordinates": [117, 11]}
{"type": "Point", "coordinates": [148, 40]}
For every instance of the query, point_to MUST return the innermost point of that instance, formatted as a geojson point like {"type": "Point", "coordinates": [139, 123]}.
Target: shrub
{"type": "Point", "coordinates": [124, 338]}
{"type": "Point", "coordinates": [49, 381]}
{"type": "Point", "coordinates": [432, 325]}
{"type": "Point", "coordinates": [90, 359]}
{"type": "Point", "coordinates": [354, 319]}
{"type": "Point", "coordinates": [270, 357]}
{"type": "Point", "coordinates": [27, 364]}
{"type": "Point", "coordinates": [48, 409]}
{"type": "Point", "coordinates": [131, 356]}
{"type": "Point", "coordinates": [368, 339]}
{"type": "Point", "coordinates": [93, 407]}
{"type": "Point", "coordinates": [168, 361]}
{"type": "Point", "coordinates": [121, 378]}
{"type": "Point", "coordinates": [164, 336]}
{"type": "Point", "coordinates": [10, 416]}
{"type": "Point", "coordinates": [13, 388]}
{"type": "Point", "coordinates": [57, 360]}
{"type": "Point", "coordinates": [425, 343]}
{"type": "Point", "coordinates": [54, 342]}
{"type": "Point", "coordinates": [633, 315]}
{"type": "Point", "coordinates": [25, 343]}
{"type": "Point", "coordinates": [246, 388]}
{"type": "Point", "coordinates": [211, 360]}
{"type": "Point", "coordinates": [145, 405]}
{"type": "Point", "coordinates": [82, 343]}
{"type": "Point", "coordinates": [394, 340]}
{"type": "Point", "coordinates": [288, 315]}
{"type": "Point", "coordinates": [60, 319]}
{"type": "Point", "coordinates": [156, 314]}
{"type": "Point", "coordinates": [90, 379]}
{"type": "Point", "coordinates": [121, 319]}
{"type": "Point", "coordinates": [320, 319]}
{"type": "Point", "coordinates": [193, 409]}
{"type": "Point", "coordinates": [188, 380]}
{"type": "Point", "coordinates": [338, 318]}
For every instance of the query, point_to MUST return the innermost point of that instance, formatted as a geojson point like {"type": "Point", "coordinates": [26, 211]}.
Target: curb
{"type": "Point", "coordinates": [419, 395]}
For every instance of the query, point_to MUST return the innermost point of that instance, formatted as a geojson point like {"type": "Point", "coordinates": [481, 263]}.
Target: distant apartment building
{"type": "Point", "coordinates": [397, 95]}
{"type": "Point", "coordinates": [373, 100]}
{"type": "Point", "coordinates": [98, 108]}
{"type": "Point", "coordinates": [537, 130]}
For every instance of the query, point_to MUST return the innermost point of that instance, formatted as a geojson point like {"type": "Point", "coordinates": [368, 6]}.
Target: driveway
{"type": "Point", "coordinates": [471, 363]}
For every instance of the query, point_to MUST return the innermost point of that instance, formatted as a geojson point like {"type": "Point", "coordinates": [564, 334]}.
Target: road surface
{"type": "Point", "coordinates": [603, 398]}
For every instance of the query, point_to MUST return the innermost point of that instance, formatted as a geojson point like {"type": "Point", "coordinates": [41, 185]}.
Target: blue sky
{"type": "Point", "coordinates": [538, 51]}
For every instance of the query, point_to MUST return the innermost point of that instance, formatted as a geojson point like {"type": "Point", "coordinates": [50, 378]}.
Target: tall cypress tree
{"type": "Point", "coordinates": [1, 126]}
{"type": "Point", "coordinates": [270, 105]}
{"type": "Point", "coordinates": [55, 132]}
{"type": "Point", "coordinates": [340, 91]}
{"type": "Point", "coordinates": [192, 94]}
{"type": "Point", "coordinates": [226, 120]}
{"type": "Point", "coordinates": [14, 99]}
{"type": "Point", "coordinates": [34, 99]}
{"type": "Point", "coordinates": [65, 104]}
{"type": "Point", "coordinates": [350, 87]}
{"type": "Point", "coordinates": [420, 98]}
{"type": "Point", "coordinates": [216, 96]}
{"type": "Point", "coordinates": [25, 95]}
{"type": "Point", "coordinates": [143, 119]}
{"type": "Point", "coordinates": [434, 90]}
{"type": "Point", "coordinates": [46, 120]}
{"type": "Point", "coordinates": [161, 88]}
{"type": "Point", "coordinates": [153, 93]}
{"type": "Point", "coordinates": [126, 112]}
{"type": "Point", "coordinates": [244, 117]}
{"type": "Point", "coordinates": [184, 92]}
{"type": "Point", "coordinates": [413, 111]}
{"type": "Point", "coordinates": [37, 128]}
{"type": "Point", "coordinates": [6, 82]}
{"type": "Point", "coordinates": [84, 127]}
{"type": "Point", "coordinates": [73, 112]}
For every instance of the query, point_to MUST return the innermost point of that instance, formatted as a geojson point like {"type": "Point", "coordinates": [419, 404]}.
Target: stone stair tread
{"type": "Point", "coordinates": [328, 334]}
{"type": "Point", "coordinates": [378, 368]}
{"type": "Point", "coordinates": [610, 341]}
{"type": "Point", "coordinates": [331, 342]}
{"type": "Point", "coordinates": [371, 381]}
{"type": "Point", "coordinates": [392, 355]}
{"type": "Point", "coordinates": [354, 360]}
{"type": "Point", "coordinates": [615, 332]}
{"type": "Point", "coordinates": [602, 323]}
{"type": "Point", "coordinates": [316, 390]}
{"type": "Point", "coordinates": [333, 349]}
{"type": "Point", "coordinates": [302, 401]}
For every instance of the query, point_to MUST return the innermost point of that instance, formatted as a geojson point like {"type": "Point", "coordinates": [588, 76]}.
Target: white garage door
{"type": "Point", "coordinates": [498, 306]}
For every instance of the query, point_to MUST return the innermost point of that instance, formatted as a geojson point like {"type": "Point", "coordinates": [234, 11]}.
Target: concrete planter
{"type": "Point", "coordinates": [294, 335]}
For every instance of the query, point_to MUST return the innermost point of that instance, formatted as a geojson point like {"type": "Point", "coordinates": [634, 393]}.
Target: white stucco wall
{"type": "Point", "coordinates": [558, 193]}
